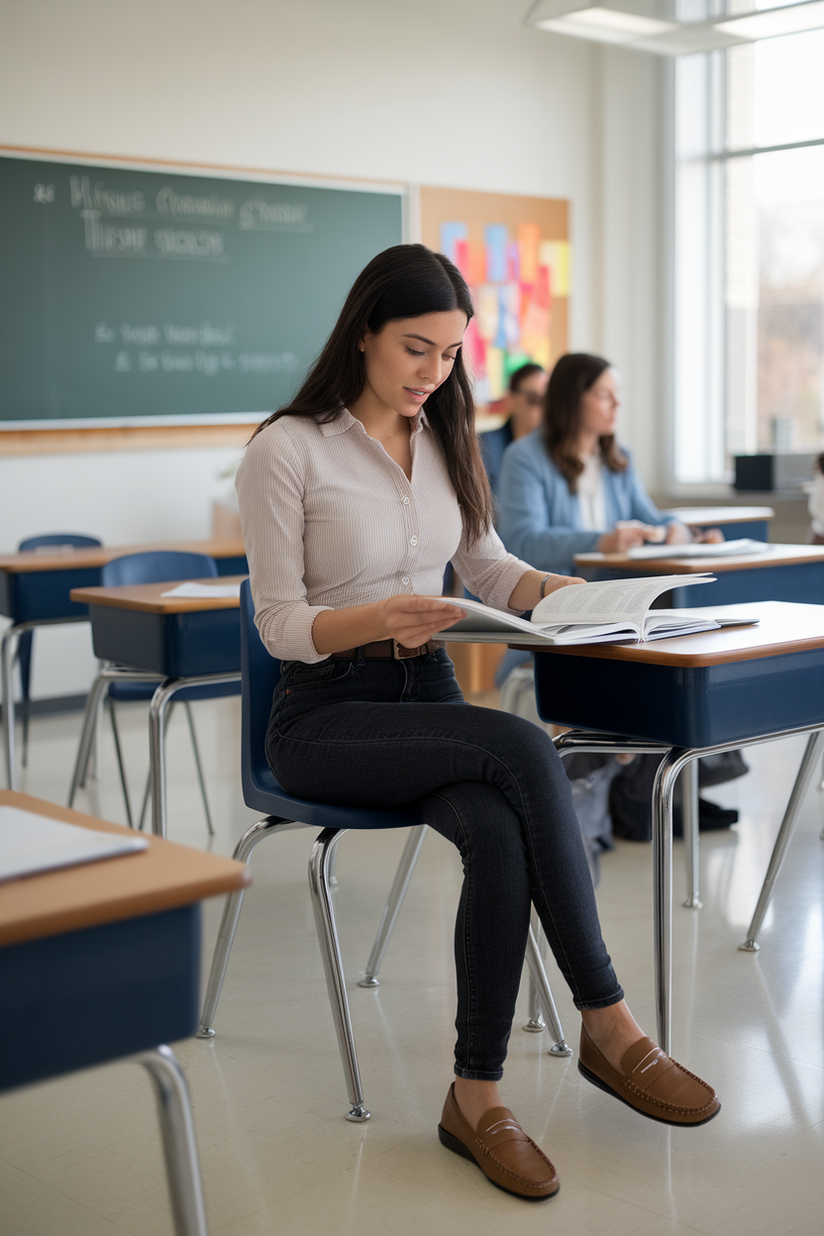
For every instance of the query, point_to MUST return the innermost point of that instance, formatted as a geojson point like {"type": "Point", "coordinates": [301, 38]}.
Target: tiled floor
{"type": "Point", "coordinates": [81, 1156]}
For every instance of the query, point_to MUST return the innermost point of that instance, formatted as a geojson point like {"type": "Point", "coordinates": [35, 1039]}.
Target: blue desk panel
{"type": "Point", "coordinates": [74, 1000]}
{"type": "Point", "coordinates": [681, 706]}
{"type": "Point", "coordinates": [240, 565]}
{"type": "Point", "coordinates": [178, 645]}
{"type": "Point", "coordinates": [798, 581]}
{"type": "Point", "coordinates": [31, 596]}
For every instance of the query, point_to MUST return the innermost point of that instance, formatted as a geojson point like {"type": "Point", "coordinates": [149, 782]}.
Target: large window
{"type": "Point", "coordinates": [749, 270]}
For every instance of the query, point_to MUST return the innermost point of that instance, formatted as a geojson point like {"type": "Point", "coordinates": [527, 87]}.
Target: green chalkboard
{"type": "Point", "coordinates": [127, 293]}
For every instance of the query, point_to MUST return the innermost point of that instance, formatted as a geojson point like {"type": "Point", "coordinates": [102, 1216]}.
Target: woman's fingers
{"type": "Point", "coordinates": [412, 620]}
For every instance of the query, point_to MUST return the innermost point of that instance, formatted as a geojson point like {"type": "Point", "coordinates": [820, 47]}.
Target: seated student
{"type": "Point", "coordinates": [568, 488]}
{"type": "Point", "coordinates": [524, 402]}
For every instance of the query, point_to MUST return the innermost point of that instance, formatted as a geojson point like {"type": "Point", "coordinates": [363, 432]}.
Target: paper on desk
{"type": "Point", "coordinates": [31, 843]}
{"type": "Point", "coordinates": [203, 590]}
{"type": "Point", "coordinates": [700, 549]}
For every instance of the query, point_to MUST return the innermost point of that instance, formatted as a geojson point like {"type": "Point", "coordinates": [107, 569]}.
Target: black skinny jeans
{"type": "Point", "coordinates": [384, 733]}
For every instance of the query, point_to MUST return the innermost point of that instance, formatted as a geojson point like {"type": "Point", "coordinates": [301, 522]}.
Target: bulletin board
{"type": "Point", "coordinates": [514, 253]}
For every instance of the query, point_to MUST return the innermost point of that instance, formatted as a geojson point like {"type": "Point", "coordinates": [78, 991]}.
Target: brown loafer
{"type": "Point", "coordinates": [501, 1149]}
{"type": "Point", "coordinates": [650, 1082]}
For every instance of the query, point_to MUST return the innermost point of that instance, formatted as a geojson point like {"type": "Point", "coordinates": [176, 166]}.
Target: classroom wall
{"type": "Point", "coordinates": [451, 92]}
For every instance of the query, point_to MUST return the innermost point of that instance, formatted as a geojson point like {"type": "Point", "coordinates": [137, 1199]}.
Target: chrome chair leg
{"type": "Point", "coordinates": [179, 1145]}
{"type": "Point", "coordinates": [809, 763]}
{"type": "Point", "coordinates": [267, 827]}
{"type": "Point", "coordinates": [121, 768]}
{"type": "Point", "coordinates": [333, 966]}
{"type": "Point", "coordinates": [689, 816]}
{"type": "Point", "coordinates": [198, 765]}
{"type": "Point", "coordinates": [90, 713]}
{"type": "Point", "coordinates": [397, 893]}
{"type": "Point", "coordinates": [7, 651]}
{"type": "Point", "coordinates": [662, 792]}
{"type": "Point", "coordinates": [545, 1001]}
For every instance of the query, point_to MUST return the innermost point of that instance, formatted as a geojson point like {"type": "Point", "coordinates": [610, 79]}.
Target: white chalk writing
{"type": "Point", "coordinates": [189, 205]}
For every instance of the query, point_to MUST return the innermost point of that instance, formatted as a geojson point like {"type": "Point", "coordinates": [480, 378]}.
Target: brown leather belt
{"type": "Point", "coordinates": [388, 650]}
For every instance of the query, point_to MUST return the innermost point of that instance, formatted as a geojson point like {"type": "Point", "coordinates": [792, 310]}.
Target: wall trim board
{"type": "Point", "coordinates": [231, 170]}
{"type": "Point", "coordinates": [121, 438]}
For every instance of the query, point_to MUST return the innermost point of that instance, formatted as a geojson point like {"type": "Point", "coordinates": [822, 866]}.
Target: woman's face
{"type": "Point", "coordinates": [410, 358]}
{"type": "Point", "coordinates": [600, 404]}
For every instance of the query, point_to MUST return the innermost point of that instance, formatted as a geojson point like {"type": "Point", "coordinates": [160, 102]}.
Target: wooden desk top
{"type": "Point", "coordinates": [703, 516]}
{"type": "Point", "coordinates": [149, 598]}
{"type": "Point", "coordinates": [159, 878]}
{"type": "Point", "coordinates": [774, 555]}
{"type": "Point", "coordinates": [784, 627]}
{"type": "Point", "coordinates": [99, 555]}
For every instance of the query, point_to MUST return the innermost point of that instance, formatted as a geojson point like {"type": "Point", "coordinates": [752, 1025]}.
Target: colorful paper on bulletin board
{"type": "Point", "coordinates": [495, 372]}
{"type": "Point", "coordinates": [496, 236]}
{"type": "Point", "coordinates": [510, 310]}
{"type": "Point", "coordinates": [541, 290]}
{"type": "Point", "coordinates": [474, 350]}
{"type": "Point", "coordinates": [529, 239]}
{"type": "Point", "coordinates": [487, 311]}
{"type": "Point", "coordinates": [451, 234]}
{"type": "Point", "coordinates": [555, 255]}
{"type": "Point", "coordinates": [513, 262]}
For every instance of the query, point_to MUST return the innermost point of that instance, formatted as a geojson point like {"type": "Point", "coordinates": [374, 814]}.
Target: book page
{"type": "Point", "coordinates": [609, 600]}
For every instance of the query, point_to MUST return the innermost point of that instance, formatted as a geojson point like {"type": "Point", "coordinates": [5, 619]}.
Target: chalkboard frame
{"type": "Point", "coordinates": [100, 432]}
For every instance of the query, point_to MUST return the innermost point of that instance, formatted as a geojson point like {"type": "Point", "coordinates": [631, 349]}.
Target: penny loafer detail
{"type": "Point", "coordinates": [651, 1082]}
{"type": "Point", "coordinates": [500, 1148]}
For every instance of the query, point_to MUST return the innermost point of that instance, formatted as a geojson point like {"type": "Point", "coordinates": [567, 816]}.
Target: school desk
{"type": "Point", "coordinates": [180, 641]}
{"type": "Point", "coordinates": [779, 573]}
{"type": "Point", "coordinates": [687, 697]}
{"type": "Point", "coordinates": [102, 961]}
{"type": "Point", "coordinates": [733, 521]}
{"type": "Point", "coordinates": [34, 591]}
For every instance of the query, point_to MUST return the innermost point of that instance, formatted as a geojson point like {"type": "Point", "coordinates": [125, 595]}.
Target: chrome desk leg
{"type": "Point", "coordinates": [393, 904]}
{"type": "Point", "coordinates": [179, 1145]}
{"type": "Point", "coordinates": [267, 827]}
{"type": "Point", "coordinates": [689, 815]}
{"type": "Point", "coordinates": [333, 967]}
{"type": "Point", "coordinates": [812, 755]}
{"type": "Point", "coordinates": [538, 976]}
{"type": "Point", "coordinates": [10, 636]}
{"type": "Point", "coordinates": [662, 791]}
{"type": "Point", "coordinates": [157, 737]}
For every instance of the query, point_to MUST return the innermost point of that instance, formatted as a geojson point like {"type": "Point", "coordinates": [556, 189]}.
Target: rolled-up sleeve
{"type": "Point", "coordinates": [488, 571]}
{"type": "Point", "coordinates": [270, 485]}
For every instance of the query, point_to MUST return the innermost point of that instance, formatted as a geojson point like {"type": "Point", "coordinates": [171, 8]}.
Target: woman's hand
{"type": "Point", "coordinates": [678, 534]}
{"type": "Point", "coordinates": [627, 535]}
{"type": "Point", "coordinates": [709, 536]}
{"type": "Point", "coordinates": [527, 592]}
{"type": "Point", "coordinates": [412, 620]}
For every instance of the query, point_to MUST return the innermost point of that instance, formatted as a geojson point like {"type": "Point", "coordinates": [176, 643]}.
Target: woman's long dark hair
{"type": "Point", "coordinates": [572, 377]}
{"type": "Point", "coordinates": [405, 281]}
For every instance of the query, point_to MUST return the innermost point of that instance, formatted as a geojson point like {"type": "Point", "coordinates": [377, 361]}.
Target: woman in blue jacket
{"type": "Point", "coordinates": [568, 488]}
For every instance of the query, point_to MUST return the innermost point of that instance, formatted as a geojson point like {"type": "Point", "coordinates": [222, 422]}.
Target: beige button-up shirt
{"type": "Point", "coordinates": [330, 520]}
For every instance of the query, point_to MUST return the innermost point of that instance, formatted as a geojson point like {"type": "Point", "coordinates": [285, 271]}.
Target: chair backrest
{"type": "Point", "coordinates": [156, 566]}
{"type": "Point", "coordinates": [58, 538]}
{"type": "Point", "coordinates": [259, 675]}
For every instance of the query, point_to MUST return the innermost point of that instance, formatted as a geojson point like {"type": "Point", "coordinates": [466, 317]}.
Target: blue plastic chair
{"type": "Point", "coordinates": [282, 812]}
{"type": "Point", "coordinates": [156, 567]}
{"type": "Point", "coordinates": [26, 639]}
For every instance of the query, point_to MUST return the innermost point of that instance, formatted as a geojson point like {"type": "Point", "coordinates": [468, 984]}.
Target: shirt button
{"type": "Point", "coordinates": [405, 501]}
{"type": "Point", "coordinates": [413, 540]}
{"type": "Point", "coordinates": [405, 579]}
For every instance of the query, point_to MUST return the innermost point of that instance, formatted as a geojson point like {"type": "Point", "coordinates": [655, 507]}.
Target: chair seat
{"type": "Point", "coordinates": [266, 795]}
{"type": "Point", "coordinates": [130, 691]}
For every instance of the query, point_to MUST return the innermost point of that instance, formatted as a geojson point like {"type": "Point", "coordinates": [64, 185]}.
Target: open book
{"type": "Point", "coordinates": [617, 609]}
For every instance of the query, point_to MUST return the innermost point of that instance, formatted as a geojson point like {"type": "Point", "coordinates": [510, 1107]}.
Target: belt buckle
{"type": "Point", "coordinates": [403, 654]}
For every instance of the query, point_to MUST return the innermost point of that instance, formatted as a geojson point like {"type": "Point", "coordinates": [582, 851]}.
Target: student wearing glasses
{"type": "Point", "coordinates": [525, 400]}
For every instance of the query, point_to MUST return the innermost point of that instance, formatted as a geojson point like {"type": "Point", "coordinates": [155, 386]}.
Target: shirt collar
{"type": "Point", "coordinates": [346, 421]}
